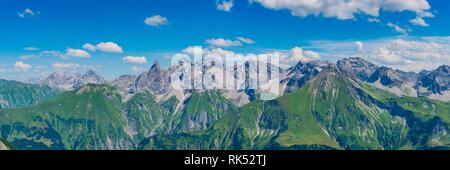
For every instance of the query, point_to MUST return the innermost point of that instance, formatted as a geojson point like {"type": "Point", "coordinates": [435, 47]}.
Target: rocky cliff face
{"type": "Point", "coordinates": [432, 84]}
{"type": "Point", "coordinates": [124, 84]}
{"type": "Point", "coordinates": [90, 77]}
{"type": "Point", "coordinates": [156, 80]}
{"type": "Point", "coordinates": [435, 81]}
{"type": "Point", "coordinates": [298, 75]}
{"type": "Point", "coordinates": [61, 80]}
{"type": "Point", "coordinates": [357, 67]}
{"type": "Point", "coordinates": [390, 77]}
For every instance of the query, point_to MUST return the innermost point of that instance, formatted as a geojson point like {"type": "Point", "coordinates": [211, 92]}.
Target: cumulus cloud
{"type": "Point", "coordinates": [220, 42]}
{"type": "Point", "coordinates": [359, 46]}
{"type": "Point", "coordinates": [27, 12]}
{"type": "Point", "coordinates": [245, 40]}
{"type": "Point", "coordinates": [156, 21]}
{"type": "Point", "coordinates": [71, 52]}
{"type": "Point", "coordinates": [135, 60]}
{"type": "Point", "coordinates": [298, 54]}
{"type": "Point", "coordinates": [419, 22]}
{"type": "Point", "coordinates": [109, 47]}
{"type": "Point", "coordinates": [406, 53]}
{"type": "Point", "coordinates": [223, 53]}
{"type": "Point", "coordinates": [344, 9]}
{"type": "Point", "coordinates": [191, 50]}
{"type": "Point", "coordinates": [412, 55]}
{"type": "Point", "coordinates": [136, 69]}
{"type": "Point", "coordinates": [90, 47]}
{"type": "Point", "coordinates": [21, 66]}
{"type": "Point", "coordinates": [51, 53]}
{"type": "Point", "coordinates": [398, 28]}
{"type": "Point", "coordinates": [385, 56]}
{"type": "Point", "coordinates": [311, 55]}
{"type": "Point", "coordinates": [62, 66]}
{"type": "Point", "coordinates": [224, 5]}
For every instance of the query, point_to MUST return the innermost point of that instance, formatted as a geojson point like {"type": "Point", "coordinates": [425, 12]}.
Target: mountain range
{"type": "Point", "coordinates": [352, 104]}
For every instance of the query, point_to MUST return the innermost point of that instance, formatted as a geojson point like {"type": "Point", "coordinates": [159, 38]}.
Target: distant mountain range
{"type": "Point", "coordinates": [352, 104]}
{"type": "Point", "coordinates": [433, 84]}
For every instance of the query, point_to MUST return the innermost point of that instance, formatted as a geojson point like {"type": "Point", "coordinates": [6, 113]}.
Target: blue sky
{"type": "Point", "coordinates": [54, 26]}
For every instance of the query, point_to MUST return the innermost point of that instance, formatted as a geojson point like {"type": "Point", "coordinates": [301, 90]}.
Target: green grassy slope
{"type": "Point", "coordinates": [332, 111]}
{"type": "Point", "coordinates": [89, 118]}
{"type": "Point", "coordinates": [15, 94]}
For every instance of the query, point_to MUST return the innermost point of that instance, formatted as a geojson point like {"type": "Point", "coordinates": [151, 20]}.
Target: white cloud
{"type": "Point", "coordinates": [51, 53]}
{"type": "Point", "coordinates": [345, 9]}
{"type": "Point", "coordinates": [26, 13]}
{"type": "Point", "coordinates": [223, 53]}
{"type": "Point", "coordinates": [2, 70]}
{"type": "Point", "coordinates": [311, 55]}
{"type": "Point", "coordinates": [385, 56]}
{"type": "Point", "coordinates": [192, 49]}
{"type": "Point", "coordinates": [136, 69]}
{"type": "Point", "coordinates": [359, 46]}
{"type": "Point", "coordinates": [245, 40]}
{"type": "Point", "coordinates": [89, 46]}
{"type": "Point", "coordinates": [418, 6]}
{"type": "Point", "coordinates": [156, 20]}
{"type": "Point", "coordinates": [21, 66]}
{"type": "Point", "coordinates": [220, 42]}
{"type": "Point", "coordinates": [31, 49]}
{"type": "Point", "coordinates": [216, 51]}
{"type": "Point", "coordinates": [374, 20]}
{"type": "Point", "coordinates": [398, 28]}
{"type": "Point", "coordinates": [298, 54]}
{"type": "Point", "coordinates": [135, 60]}
{"type": "Point", "coordinates": [62, 66]}
{"type": "Point", "coordinates": [419, 22]}
{"type": "Point", "coordinates": [405, 53]}
{"type": "Point", "coordinates": [225, 5]}
{"type": "Point", "coordinates": [109, 47]}
{"type": "Point", "coordinates": [71, 52]}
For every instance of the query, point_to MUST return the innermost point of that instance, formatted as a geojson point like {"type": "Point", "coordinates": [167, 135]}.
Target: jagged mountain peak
{"type": "Point", "coordinates": [435, 81]}
{"type": "Point", "coordinates": [302, 72]}
{"type": "Point", "coordinates": [60, 73]}
{"type": "Point", "coordinates": [443, 69]}
{"type": "Point", "coordinates": [156, 66]}
{"type": "Point", "coordinates": [91, 73]}
{"type": "Point", "coordinates": [358, 67]}
{"type": "Point", "coordinates": [126, 77]}
{"type": "Point", "coordinates": [71, 80]}
{"type": "Point", "coordinates": [156, 80]}
{"type": "Point", "coordinates": [386, 76]}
